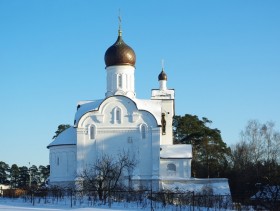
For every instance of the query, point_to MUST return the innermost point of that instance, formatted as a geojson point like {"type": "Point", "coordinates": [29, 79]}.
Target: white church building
{"type": "Point", "coordinates": [121, 122]}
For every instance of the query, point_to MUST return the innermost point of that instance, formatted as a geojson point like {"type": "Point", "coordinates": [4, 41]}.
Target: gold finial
{"type": "Point", "coordinates": [120, 23]}
{"type": "Point", "coordinates": [162, 64]}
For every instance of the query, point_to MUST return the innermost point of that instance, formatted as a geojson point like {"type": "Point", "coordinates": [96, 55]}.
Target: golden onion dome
{"type": "Point", "coordinates": [120, 53]}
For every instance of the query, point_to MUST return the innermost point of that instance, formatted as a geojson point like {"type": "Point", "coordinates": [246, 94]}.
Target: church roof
{"type": "Point", "coordinates": [67, 137]}
{"type": "Point", "coordinates": [120, 53]}
{"type": "Point", "coordinates": [152, 106]}
{"type": "Point", "coordinates": [176, 151]}
{"type": "Point", "coordinates": [86, 106]}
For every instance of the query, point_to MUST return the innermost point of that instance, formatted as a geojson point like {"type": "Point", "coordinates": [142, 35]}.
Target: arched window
{"type": "Point", "coordinates": [120, 81]}
{"type": "Point", "coordinates": [171, 169]}
{"type": "Point", "coordinates": [143, 130]}
{"type": "Point", "coordinates": [92, 132]}
{"type": "Point", "coordinates": [117, 115]}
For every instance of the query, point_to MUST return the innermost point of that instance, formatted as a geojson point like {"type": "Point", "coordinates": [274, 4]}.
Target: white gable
{"type": "Point", "coordinates": [152, 106]}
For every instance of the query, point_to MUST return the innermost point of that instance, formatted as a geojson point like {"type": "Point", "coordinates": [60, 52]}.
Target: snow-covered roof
{"type": "Point", "coordinates": [86, 106]}
{"type": "Point", "coordinates": [152, 106]}
{"type": "Point", "coordinates": [176, 151]}
{"type": "Point", "coordinates": [268, 192]}
{"type": "Point", "coordinates": [67, 137]}
{"type": "Point", "coordinates": [219, 187]}
{"type": "Point", "coordinates": [3, 187]}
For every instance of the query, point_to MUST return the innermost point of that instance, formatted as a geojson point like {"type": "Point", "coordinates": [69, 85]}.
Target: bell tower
{"type": "Point", "coordinates": [167, 108]}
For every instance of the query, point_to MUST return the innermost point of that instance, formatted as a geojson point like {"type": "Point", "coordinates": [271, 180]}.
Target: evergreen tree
{"type": "Point", "coordinates": [23, 178]}
{"type": "Point", "coordinates": [210, 152]}
{"type": "Point", "coordinates": [4, 168]}
{"type": "Point", "coordinates": [34, 175]}
{"type": "Point", "coordinates": [60, 129]}
{"type": "Point", "coordinates": [44, 172]}
{"type": "Point", "coordinates": [14, 176]}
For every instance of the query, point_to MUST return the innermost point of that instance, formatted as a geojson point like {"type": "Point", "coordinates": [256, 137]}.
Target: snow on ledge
{"type": "Point", "coordinates": [176, 151]}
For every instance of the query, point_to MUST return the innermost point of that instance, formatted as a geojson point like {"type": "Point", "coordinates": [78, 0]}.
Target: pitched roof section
{"type": "Point", "coordinates": [67, 137]}
{"type": "Point", "coordinates": [84, 107]}
{"type": "Point", "coordinates": [152, 106]}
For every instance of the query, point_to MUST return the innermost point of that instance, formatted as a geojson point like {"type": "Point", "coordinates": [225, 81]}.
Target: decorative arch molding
{"type": "Point", "coordinates": [99, 112]}
{"type": "Point", "coordinates": [119, 92]}
{"type": "Point", "coordinates": [95, 116]}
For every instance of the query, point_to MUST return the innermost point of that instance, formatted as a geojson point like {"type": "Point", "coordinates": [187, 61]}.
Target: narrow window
{"type": "Point", "coordinates": [92, 132]}
{"type": "Point", "coordinates": [119, 81]}
{"type": "Point", "coordinates": [163, 123]}
{"type": "Point", "coordinates": [117, 115]}
{"type": "Point", "coordinates": [57, 161]}
{"type": "Point", "coordinates": [143, 131]}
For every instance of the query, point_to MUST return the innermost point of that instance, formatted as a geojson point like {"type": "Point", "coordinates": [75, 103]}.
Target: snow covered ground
{"type": "Point", "coordinates": [25, 208]}
{"type": "Point", "coordinates": [20, 205]}
{"type": "Point", "coordinates": [218, 187]}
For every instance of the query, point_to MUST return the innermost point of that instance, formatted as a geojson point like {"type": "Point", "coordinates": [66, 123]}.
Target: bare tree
{"type": "Point", "coordinates": [255, 159]}
{"type": "Point", "coordinates": [108, 174]}
{"type": "Point", "coordinates": [263, 140]}
{"type": "Point", "coordinates": [253, 135]}
{"type": "Point", "coordinates": [240, 156]}
{"type": "Point", "coordinates": [271, 141]}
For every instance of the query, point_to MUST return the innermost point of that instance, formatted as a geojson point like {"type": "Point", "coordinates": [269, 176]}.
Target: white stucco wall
{"type": "Point", "coordinates": [167, 108]}
{"type": "Point", "coordinates": [120, 80]}
{"type": "Point", "coordinates": [181, 169]}
{"type": "Point", "coordinates": [114, 135]}
{"type": "Point", "coordinates": [62, 163]}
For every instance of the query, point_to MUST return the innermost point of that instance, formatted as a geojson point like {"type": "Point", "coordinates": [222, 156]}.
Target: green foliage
{"type": "Point", "coordinates": [210, 152]}
{"type": "Point", "coordinates": [60, 129]}
{"type": "Point", "coordinates": [14, 176]}
{"type": "Point", "coordinates": [23, 177]}
{"type": "Point", "coordinates": [4, 168]}
{"type": "Point", "coordinates": [44, 172]}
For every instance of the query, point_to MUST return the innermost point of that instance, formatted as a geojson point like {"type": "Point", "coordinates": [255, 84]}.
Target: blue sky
{"type": "Point", "coordinates": [221, 57]}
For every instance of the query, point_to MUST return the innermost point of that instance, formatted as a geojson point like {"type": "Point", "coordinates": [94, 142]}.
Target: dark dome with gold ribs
{"type": "Point", "coordinates": [162, 76]}
{"type": "Point", "coordinates": [120, 53]}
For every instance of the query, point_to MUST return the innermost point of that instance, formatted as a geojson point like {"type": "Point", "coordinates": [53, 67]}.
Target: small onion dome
{"type": "Point", "coordinates": [120, 54]}
{"type": "Point", "coordinates": [162, 76]}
